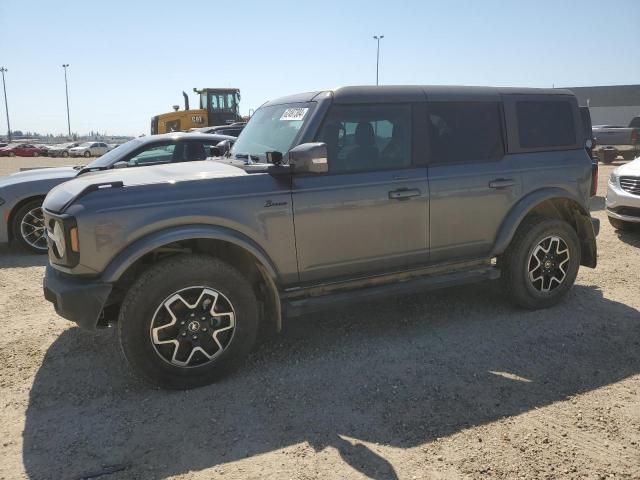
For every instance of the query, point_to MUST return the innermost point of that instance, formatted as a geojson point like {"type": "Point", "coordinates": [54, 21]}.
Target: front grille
{"type": "Point", "coordinates": [630, 184]}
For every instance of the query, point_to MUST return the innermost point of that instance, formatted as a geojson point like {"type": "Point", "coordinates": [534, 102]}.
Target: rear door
{"type": "Point", "coordinates": [370, 213]}
{"type": "Point", "coordinates": [472, 183]}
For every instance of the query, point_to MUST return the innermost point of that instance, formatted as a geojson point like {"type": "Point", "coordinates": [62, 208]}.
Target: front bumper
{"type": "Point", "coordinates": [621, 204]}
{"type": "Point", "coordinates": [77, 299]}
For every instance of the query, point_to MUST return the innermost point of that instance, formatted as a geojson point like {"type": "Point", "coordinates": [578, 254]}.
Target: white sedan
{"type": "Point", "coordinates": [89, 149]}
{"type": "Point", "coordinates": [623, 196]}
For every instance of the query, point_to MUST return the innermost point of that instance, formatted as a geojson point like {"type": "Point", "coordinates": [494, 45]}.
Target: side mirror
{"type": "Point", "coordinates": [224, 146]}
{"type": "Point", "coordinates": [216, 151]}
{"type": "Point", "coordinates": [309, 158]}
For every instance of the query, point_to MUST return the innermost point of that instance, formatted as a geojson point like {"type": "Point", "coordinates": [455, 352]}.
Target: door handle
{"type": "Point", "coordinates": [404, 194]}
{"type": "Point", "coordinates": [502, 183]}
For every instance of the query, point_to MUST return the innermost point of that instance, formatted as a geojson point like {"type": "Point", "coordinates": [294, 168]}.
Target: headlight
{"type": "Point", "coordinates": [614, 178]}
{"type": "Point", "coordinates": [57, 239]}
{"type": "Point", "coordinates": [64, 248]}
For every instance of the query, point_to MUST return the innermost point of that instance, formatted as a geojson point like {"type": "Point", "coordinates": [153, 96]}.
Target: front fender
{"type": "Point", "coordinates": [521, 209]}
{"type": "Point", "coordinates": [148, 243]}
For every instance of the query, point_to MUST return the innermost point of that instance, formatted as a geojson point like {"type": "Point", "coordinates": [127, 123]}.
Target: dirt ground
{"type": "Point", "coordinates": [448, 384]}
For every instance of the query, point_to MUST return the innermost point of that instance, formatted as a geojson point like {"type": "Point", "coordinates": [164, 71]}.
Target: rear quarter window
{"type": "Point", "coordinates": [545, 124]}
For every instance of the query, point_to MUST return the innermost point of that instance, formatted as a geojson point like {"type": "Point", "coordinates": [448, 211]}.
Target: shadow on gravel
{"type": "Point", "coordinates": [399, 373]}
{"type": "Point", "coordinates": [631, 237]}
{"type": "Point", "coordinates": [15, 257]}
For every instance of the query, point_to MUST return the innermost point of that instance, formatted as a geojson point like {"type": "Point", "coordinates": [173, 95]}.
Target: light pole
{"type": "Point", "coordinates": [378, 38]}
{"type": "Point", "coordinates": [66, 90]}
{"type": "Point", "coordinates": [6, 107]}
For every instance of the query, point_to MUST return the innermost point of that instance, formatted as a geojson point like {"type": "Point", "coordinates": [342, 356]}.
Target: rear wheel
{"type": "Point", "coordinates": [541, 263]}
{"type": "Point", "coordinates": [187, 321]}
{"type": "Point", "coordinates": [29, 228]}
{"type": "Point", "coordinates": [65, 154]}
{"type": "Point", "coordinates": [620, 224]}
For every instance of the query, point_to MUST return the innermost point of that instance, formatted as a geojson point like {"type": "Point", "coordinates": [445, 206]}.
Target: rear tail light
{"type": "Point", "coordinates": [594, 178]}
{"type": "Point", "coordinates": [634, 136]}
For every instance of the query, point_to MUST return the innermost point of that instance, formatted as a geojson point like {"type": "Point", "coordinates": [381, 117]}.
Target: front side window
{"type": "Point", "coordinates": [545, 124]}
{"type": "Point", "coordinates": [153, 155]}
{"type": "Point", "coordinates": [367, 138]}
{"type": "Point", "coordinates": [272, 128]}
{"type": "Point", "coordinates": [464, 132]}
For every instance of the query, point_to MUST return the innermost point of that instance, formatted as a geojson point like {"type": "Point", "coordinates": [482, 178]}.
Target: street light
{"type": "Point", "coordinates": [66, 90]}
{"type": "Point", "coordinates": [378, 38]}
{"type": "Point", "coordinates": [6, 107]}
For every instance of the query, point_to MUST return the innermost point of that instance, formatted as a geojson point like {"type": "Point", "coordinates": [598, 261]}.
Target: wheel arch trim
{"type": "Point", "coordinates": [133, 252]}
{"type": "Point", "coordinates": [521, 209]}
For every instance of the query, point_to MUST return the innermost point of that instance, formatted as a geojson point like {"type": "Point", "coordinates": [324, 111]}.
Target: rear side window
{"type": "Point", "coordinates": [545, 124]}
{"type": "Point", "coordinates": [463, 132]}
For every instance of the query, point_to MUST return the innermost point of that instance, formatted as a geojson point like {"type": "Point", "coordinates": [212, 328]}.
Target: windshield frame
{"type": "Point", "coordinates": [261, 156]}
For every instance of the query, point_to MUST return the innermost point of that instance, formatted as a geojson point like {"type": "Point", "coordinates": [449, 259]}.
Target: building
{"type": "Point", "coordinates": [610, 105]}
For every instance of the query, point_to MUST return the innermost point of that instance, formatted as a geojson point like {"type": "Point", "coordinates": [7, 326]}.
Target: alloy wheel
{"type": "Point", "coordinates": [548, 264]}
{"type": "Point", "coordinates": [192, 326]}
{"type": "Point", "coordinates": [32, 229]}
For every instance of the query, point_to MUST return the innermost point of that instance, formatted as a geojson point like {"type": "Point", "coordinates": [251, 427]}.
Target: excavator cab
{"type": "Point", "coordinates": [222, 105]}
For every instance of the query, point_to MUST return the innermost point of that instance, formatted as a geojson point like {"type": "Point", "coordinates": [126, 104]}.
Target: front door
{"type": "Point", "coordinates": [370, 213]}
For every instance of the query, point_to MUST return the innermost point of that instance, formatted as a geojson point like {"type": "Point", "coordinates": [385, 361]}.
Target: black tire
{"type": "Point", "coordinates": [65, 154]}
{"type": "Point", "coordinates": [620, 224]}
{"type": "Point", "coordinates": [12, 154]}
{"type": "Point", "coordinates": [517, 261]}
{"type": "Point", "coordinates": [145, 300]}
{"type": "Point", "coordinates": [87, 154]}
{"type": "Point", "coordinates": [29, 242]}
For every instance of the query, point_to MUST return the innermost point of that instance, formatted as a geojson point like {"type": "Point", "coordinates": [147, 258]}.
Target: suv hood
{"type": "Point", "coordinates": [38, 174]}
{"type": "Point", "coordinates": [63, 195]}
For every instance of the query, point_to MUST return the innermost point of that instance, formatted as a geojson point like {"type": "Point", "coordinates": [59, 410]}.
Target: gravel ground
{"type": "Point", "coordinates": [450, 384]}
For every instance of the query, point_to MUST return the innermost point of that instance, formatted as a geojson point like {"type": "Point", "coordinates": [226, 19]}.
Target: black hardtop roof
{"type": "Point", "coordinates": [415, 93]}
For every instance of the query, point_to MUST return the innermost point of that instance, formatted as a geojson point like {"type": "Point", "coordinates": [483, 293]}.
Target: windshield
{"type": "Point", "coordinates": [272, 128]}
{"type": "Point", "coordinates": [114, 155]}
{"type": "Point", "coordinates": [86, 144]}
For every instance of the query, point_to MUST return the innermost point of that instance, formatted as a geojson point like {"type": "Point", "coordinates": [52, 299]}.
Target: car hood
{"type": "Point", "coordinates": [631, 168]}
{"type": "Point", "coordinates": [63, 195]}
{"type": "Point", "coordinates": [38, 174]}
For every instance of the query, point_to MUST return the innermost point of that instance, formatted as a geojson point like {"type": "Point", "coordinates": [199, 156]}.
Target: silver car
{"type": "Point", "coordinates": [89, 149]}
{"type": "Point", "coordinates": [623, 196]}
{"type": "Point", "coordinates": [22, 193]}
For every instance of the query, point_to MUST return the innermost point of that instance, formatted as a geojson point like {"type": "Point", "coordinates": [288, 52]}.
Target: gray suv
{"type": "Point", "coordinates": [326, 198]}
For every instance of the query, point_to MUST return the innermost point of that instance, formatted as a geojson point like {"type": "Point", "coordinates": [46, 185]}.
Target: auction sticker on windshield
{"type": "Point", "coordinates": [294, 114]}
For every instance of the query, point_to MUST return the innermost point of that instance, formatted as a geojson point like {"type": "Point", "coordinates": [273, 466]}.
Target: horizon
{"type": "Point", "coordinates": [127, 67]}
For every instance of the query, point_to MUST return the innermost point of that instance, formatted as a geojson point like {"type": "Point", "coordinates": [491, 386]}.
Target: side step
{"type": "Point", "coordinates": [300, 306]}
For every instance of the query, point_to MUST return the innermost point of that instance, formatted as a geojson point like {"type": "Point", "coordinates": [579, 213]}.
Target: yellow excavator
{"type": "Point", "coordinates": [218, 106]}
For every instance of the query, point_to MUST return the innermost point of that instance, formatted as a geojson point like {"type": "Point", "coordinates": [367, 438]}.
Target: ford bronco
{"type": "Point", "coordinates": [326, 198]}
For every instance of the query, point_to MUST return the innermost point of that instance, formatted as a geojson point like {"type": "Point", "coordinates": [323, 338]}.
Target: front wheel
{"type": "Point", "coordinates": [65, 154]}
{"type": "Point", "coordinates": [87, 154]}
{"type": "Point", "coordinates": [29, 228]}
{"type": "Point", "coordinates": [541, 263]}
{"type": "Point", "coordinates": [187, 321]}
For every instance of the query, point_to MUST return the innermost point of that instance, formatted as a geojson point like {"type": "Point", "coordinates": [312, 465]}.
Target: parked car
{"type": "Point", "coordinates": [618, 140]}
{"type": "Point", "coordinates": [89, 149]}
{"type": "Point", "coordinates": [353, 194]}
{"type": "Point", "coordinates": [22, 193]}
{"type": "Point", "coordinates": [21, 150]}
{"type": "Point", "coordinates": [623, 196]}
{"type": "Point", "coordinates": [61, 150]}
{"type": "Point", "coordinates": [233, 129]}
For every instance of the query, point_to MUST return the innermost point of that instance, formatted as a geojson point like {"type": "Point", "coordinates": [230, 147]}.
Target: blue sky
{"type": "Point", "coordinates": [131, 60]}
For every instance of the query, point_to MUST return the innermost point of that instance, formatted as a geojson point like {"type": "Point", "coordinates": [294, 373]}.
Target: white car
{"type": "Point", "coordinates": [623, 196]}
{"type": "Point", "coordinates": [89, 149]}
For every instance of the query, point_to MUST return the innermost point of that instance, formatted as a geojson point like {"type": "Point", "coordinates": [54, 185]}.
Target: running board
{"type": "Point", "coordinates": [300, 306]}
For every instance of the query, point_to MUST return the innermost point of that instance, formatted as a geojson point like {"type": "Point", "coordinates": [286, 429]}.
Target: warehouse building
{"type": "Point", "coordinates": [610, 105]}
